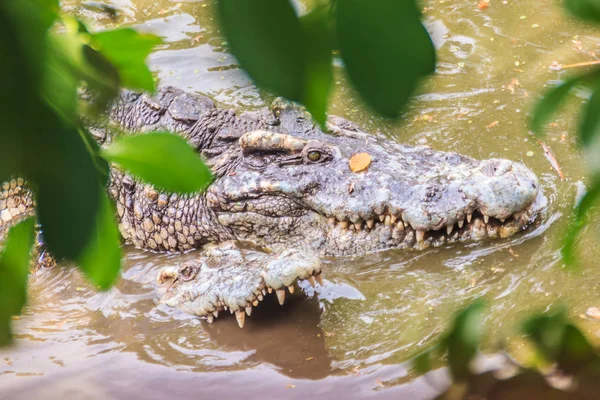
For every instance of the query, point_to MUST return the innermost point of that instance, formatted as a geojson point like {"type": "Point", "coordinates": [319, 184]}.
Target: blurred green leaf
{"type": "Point", "coordinates": [94, 148]}
{"type": "Point", "coordinates": [102, 78]}
{"type": "Point", "coordinates": [590, 119]}
{"type": "Point", "coordinates": [319, 70]}
{"type": "Point", "coordinates": [559, 341]}
{"type": "Point", "coordinates": [548, 105]}
{"type": "Point", "coordinates": [66, 186]}
{"type": "Point", "coordinates": [14, 270]}
{"type": "Point", "coordinates": [386, 50]}
{"type": "Point", "coordinates": [101, 260]}
{"type": "Point", "coordinates": [584, 9]}
{"type": "Point", "coordinates": [162, 159]}
{"type": "Point", "coordinates": [422, 363]}
{"type": "Point", "coordinates": [578, 221]}
{"type": "Point", "coordinates": [45, 149]}
{"type": "Point", "coordinates": [23, 25]}
{"type": "Point", "coordinates": [464, 338]}
{"type": "Point", "coordinates": [127, 50]}
{"type": "Point", "coordinates": [61, 79]}
{"type": "Point", "coordinates": [267, 39]}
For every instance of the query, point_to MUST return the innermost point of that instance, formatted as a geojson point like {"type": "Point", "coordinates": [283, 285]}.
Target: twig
{"type": "Point", "coordinates": [581, 64]}
{"type": "Point", "coordinates": [552, 159]}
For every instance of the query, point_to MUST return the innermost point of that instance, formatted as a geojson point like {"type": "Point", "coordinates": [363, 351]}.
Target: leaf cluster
{"type": "Point", "coordinates": [43, 140]}
{"type": "Point", "coordinates": [382, 44]}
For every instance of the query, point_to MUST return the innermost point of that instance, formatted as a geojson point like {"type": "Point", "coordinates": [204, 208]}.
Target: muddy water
{"type": "Point", "coordinates": [351, 337]}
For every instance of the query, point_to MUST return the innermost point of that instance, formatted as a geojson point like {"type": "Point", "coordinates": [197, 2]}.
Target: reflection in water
{"type": "Point", "coordinates": [289, 338]}
{"type": "Point", "coordinates": [352, 338]}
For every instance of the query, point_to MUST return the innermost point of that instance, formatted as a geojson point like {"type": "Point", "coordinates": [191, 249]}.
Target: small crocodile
{"type": "Point", "coordinates": [284, 183]}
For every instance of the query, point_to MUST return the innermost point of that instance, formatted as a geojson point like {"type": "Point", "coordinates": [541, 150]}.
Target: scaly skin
{"type": "Point", "coordinates": [283, 183]}
{"type": "Point", "coordinates": [235, 276]}
{"type": "Point", "coordinates": [268, 191]}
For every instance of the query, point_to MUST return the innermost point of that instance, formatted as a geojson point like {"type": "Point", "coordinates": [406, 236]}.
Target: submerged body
{"type": "Point", "coordinates": [282, 182]}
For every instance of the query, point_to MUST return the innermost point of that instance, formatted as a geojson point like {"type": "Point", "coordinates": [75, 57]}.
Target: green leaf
{"type": "Point", "coordinates": [578, 221]}
{"type": "Point", "coordinates": [584, 9]}
{"type": "Point", "coordinates": [162, 159]}
{"type": "Point", "coordinates": [319, 71]}
{"type": "Point", "coordinates": [267, 39]}
{"type": "Point", "coordinates": [548, 105]}
{"type": "Point", "coordinates": [590, 119]}
{"type": "Point", "coordinates": [102, 77]}
{"type": "Point", "coordinates": [46, 150]}
{"type": "Point", "coordinates": [23, 26]}
{"type": "Point", "coordinates": [422, 362]}
{"type": "Point", "coordinates": [386, 50]}
{"type": "Point", "coordinates": [127, 50]}
{"type": "Point", "coordinates": [101, 260]}
{"type": "Point", "coordinates": [14, 270]}
{"type": "Point", "coordinates": [559, 341]}
{"type": "Point", "coordinates": [66, 186]}
{"type": "Point", "coordinates": [464, 339]}
{"type": "Point", "coordinates": [61, 79]}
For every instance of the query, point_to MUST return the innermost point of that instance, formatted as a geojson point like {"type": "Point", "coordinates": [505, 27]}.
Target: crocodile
{"type": "Point", "coordinates": [283, 182]}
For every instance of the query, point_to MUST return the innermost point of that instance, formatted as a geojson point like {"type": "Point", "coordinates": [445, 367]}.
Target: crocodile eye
{"type": "Point", "coordinates": [314, 156]}
{"type": "Point", "coordinates": [187, 273]}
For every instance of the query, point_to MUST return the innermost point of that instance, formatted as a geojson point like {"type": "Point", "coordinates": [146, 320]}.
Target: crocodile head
{"type": "Point", "coordinates": [235, 276]}
{"type": "Point", "coordinates": [294, 183]}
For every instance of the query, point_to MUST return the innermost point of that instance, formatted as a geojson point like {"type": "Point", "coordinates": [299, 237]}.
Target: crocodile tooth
{"type": "Point", "coordinates": [210, 318]}
{"type": "Point", "coordinates": [358, 225]}
{"type": "Point", "coordinates": [319, 279]}
{"type": "Point", "coordinates": [381, 218]}
{"type": "Point", "coordinates": [264, 292]}
{"type": "Point", "coordinates": [393, 218]}
{"type": "Point", "coordinates": [486, 219]}
{"type": "Point", "coordinates": [400, 226]}
{"type": "Point", "coordinates": [216, 314]}
{"type": "Point", "coordinates": [449, 229]}
{"type": "Point", "coordinates": [370, 223]}
{"type": "Point", "coordinates": [502, 220]}
{"type": "Point", "coordinates": [344, 224]}
{"type": "Point", "coordinates": [406, 224]}
{"type": "Point", "coordinates": [420, 236]}
{"type": "Point", "coordinates": [461, 223]}
{"type": "Point", "coordinates": [225, 307]}
{"type": "Point", "coordinates": [249, 310]}
{"type": "Point", "coordinates": [260, 297]}
{"type": "Point", "coordinates": [469, 216]}
{"type": "Point", "coordinates": [231, 311]}
{"type": "Point", "coordinates": [332, 220]}
{"type": "Point", "coordinates": [254, 303]}
{"type": "Point", "coordinates": [311, 280]}
{"type": "Point", "coordinates": [291, 288]}
{"type": "Point", "coordinates": [270, 290]}
{"type": "Point", "coordinates": [280, 296]}
{"type": "Point", "coordinates": [388, 220]}
{"type": "Point", "coordinates": [240, 317]}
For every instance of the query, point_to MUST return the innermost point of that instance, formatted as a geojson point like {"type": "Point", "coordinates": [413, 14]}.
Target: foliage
{"type": "Point", "coordinates": [159, 158]}
{"type": "Point", "coordinates": [383, 45]}
{"type": "Point", "coordinates": [588, 131]}
{"type": "Point", "coordinates": [460, 342]}
{"type": "Point", "coordinates": [43, 140]}
{"type": "Point", "coordinates": [14, 269]}
{"type": "Point", "coordinates": [556, 342]}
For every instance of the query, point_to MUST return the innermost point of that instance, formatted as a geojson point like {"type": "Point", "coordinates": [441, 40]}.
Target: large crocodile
{"type": "Point", "coordinates": [282, 182]}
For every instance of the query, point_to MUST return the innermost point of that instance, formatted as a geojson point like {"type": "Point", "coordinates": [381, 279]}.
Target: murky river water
{"type": "Point", "coordinates": [352, 337]}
